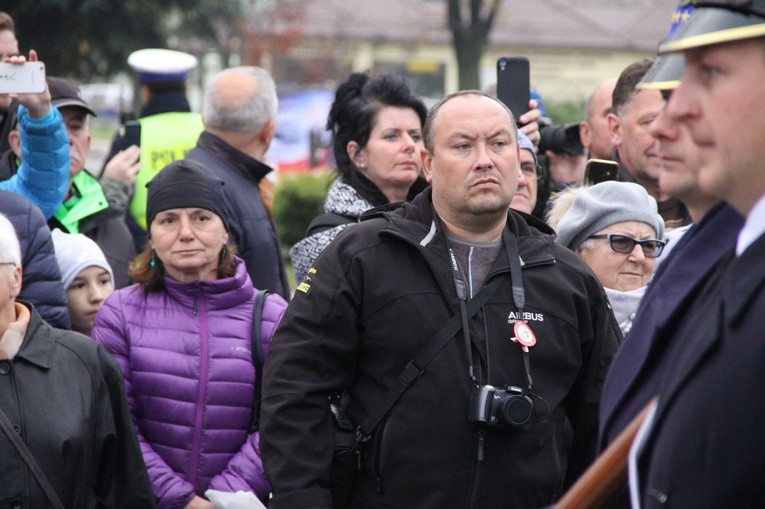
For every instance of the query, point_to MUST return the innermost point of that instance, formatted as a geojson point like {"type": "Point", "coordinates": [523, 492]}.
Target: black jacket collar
{"type": "Point", "coordinates": [414, 220]}
{"type": "Point", "coordinates": [37, 347]}
{"type": "Point", "coordinates": [247, 164]}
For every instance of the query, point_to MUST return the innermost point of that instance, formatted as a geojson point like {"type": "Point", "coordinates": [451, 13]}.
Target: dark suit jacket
{"type": "Point", "coordinates": [707, 444]}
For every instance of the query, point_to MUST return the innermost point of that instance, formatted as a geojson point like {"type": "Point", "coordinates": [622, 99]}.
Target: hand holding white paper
{"type": "Point", "coordinates": [238, 500]}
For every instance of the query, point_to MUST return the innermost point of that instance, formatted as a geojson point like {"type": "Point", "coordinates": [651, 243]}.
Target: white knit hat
{"type": "Point", "coordinates": [75, 252]}
{"type": "Point", "coordinates": [604, 204]}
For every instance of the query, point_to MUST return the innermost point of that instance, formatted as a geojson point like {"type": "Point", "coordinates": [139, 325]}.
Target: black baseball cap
{"type": "Point", "coordinates": [65, 93]}
{"type": "Point", "coordinates": [717, 22]}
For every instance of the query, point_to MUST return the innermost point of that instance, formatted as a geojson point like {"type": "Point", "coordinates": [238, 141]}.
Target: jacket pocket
{"type": "Point", "coordinates": [379, 452]}
{"type": "Point", "coordinates": [562, 440]}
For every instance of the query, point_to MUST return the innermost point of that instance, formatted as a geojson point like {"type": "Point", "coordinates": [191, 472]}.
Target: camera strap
{"type": "Point", "coordinates": [417, 365]}
{"type": "Point", "coordinates": [519, 294]}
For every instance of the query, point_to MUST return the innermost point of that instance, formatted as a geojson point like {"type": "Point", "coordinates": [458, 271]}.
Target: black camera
{"type": "Point", "coordinates": [508, 408]}
{"type": "Point", "coordinates": [560, 139]}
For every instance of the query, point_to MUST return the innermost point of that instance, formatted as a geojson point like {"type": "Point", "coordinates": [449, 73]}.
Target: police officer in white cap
{"type": "Point", "coordinates": [166, 129]}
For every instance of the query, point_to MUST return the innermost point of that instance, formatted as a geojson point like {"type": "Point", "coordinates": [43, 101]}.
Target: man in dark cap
{"type": "Point", "coordinates": [86, 208]}
{"type": "Point", "coordinates": [704, 445]}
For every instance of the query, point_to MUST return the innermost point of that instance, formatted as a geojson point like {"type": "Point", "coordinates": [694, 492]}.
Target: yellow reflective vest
{"type": "Point", "coordinates": [164, 138]}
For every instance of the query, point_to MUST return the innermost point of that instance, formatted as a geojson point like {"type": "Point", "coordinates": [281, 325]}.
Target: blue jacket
{"type": "Point", "coordinates": [43, 175]}
{"type": "Point", "coordinates": [41, 282]}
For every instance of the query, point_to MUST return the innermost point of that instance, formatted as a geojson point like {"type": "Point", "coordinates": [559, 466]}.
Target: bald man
{"type": "Point", "coordinates": [593, 130]}
{"type": "Point", "coordinates": [239, 116]}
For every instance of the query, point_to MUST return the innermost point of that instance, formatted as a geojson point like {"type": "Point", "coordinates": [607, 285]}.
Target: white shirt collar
{"type": "Point", "coordinates": [754, 227]}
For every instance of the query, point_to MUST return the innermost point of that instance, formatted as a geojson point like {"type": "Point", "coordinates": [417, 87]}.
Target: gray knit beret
{"type": "Point", "coordinates": [604, 204]}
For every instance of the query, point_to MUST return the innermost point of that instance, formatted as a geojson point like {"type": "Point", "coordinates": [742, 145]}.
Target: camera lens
{"type": "Point", "coordinates": [560, 139]}
{"type": "Point", "coordinates": [515, 411]}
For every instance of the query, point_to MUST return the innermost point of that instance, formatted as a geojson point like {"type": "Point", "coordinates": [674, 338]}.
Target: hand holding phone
{"type": "Point", "coordinates": [22, 78]}
{"type": "Point", "coordinates": [133, 133]}
{"type": "Point", "coordinates": [600, 170]}
{"type": "Point", "coordinates": [514, 84]}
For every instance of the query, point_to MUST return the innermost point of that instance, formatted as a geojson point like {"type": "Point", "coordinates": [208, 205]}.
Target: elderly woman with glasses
{"type": "Point", "coordinates": [616, 228]}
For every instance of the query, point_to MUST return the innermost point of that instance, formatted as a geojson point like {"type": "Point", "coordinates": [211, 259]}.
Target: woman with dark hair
{"type": "Point", "coordinates": [377, 124]}
{"type": "Point", "coordinates": [183, 336]}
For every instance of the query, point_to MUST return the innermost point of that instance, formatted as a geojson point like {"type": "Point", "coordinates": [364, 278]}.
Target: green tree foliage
{"type": "Point", "coordinates": [86, 38]}
{"type": "Point", "coordinates": [562, 112]}
{"type": "Point", "coordinates": [297, 200]}
{"type": "Point", "coordinates": [470, 22]}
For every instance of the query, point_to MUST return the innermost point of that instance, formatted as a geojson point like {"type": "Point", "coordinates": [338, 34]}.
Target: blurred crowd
{"type": "Point", "coordinates": [489, 305]}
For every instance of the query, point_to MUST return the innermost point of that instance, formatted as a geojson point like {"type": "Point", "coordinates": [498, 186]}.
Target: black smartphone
{"type": "Point", "coordinates": [133, 133]}
{"type": "Point", "coordinates": [600, 170]}
{"type": "Point", "coordinates": [514, 84]}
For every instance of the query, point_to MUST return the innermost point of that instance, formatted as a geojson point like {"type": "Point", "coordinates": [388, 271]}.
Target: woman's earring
{"type": "Point", "coordinates": [223, 254]}
{"type": "Point", "coordinates": [153, 262]}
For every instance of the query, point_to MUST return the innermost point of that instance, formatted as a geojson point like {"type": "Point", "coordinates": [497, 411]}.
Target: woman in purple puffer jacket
{"type": "Point", "coordinates": [183, 336]}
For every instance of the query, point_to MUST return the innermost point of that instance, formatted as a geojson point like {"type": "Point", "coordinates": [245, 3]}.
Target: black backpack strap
{"type": "Point", "coordinates": [327, 221]}
{"type": "Point", "coordinates": [416, 366]}
{"type": "Point", "coordinates": [257, 356]}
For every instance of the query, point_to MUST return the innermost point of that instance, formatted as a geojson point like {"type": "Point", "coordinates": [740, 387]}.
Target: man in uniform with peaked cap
{"type": "Point", "coordinates": [703, 446]}
{"type": "Point", "coordinates": [166, 129]}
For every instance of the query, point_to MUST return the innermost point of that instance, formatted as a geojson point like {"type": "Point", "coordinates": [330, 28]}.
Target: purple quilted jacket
{"type": "Point", "coordinates": [186, 356]}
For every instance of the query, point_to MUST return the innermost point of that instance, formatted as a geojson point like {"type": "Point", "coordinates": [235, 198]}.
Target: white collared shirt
{"type": "Point", "coordinates": [754, 227]}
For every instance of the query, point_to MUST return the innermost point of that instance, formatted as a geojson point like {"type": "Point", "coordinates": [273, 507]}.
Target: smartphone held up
{"type": "Point", "coordinates": [514, 84]}
{"type": "Point", "coordinates": [600, 170]}
{"type": "Point", "coordinates": [26, 78]}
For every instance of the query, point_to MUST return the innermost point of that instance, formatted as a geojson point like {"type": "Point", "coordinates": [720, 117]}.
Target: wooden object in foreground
{"type": "Point", "coordinates": [609, 471]}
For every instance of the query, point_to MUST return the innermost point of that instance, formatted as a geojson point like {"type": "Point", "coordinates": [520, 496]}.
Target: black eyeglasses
{"type": "Point", "coordinates": [531, 171]}
{"type": "Point", "coordinates": [652, 248]}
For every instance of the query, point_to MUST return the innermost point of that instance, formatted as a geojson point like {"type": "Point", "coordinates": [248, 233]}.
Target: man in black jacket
{"type": "Point", "coordinates": [239, 115]}
{"type": "Point", "coordinates": [505, 412]}
{"type": "Point", "coordinates": [64, 396]}
{"type": "Point", "coordinates": [86, 208]}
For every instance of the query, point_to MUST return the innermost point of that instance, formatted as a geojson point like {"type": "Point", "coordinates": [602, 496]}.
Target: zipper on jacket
{"type": "Point", "coordinates": [378, 456]}
{"type": "Point", "coordinates": [201, 391]}
{"type": "Point", "coordinates": [477, 477]}
{"type": "Point", "coordinates": [481, 441]}
{"type": "Point", "coordinates": [558, 468]}
{"type": "Point", "coordinates": [196, 297]}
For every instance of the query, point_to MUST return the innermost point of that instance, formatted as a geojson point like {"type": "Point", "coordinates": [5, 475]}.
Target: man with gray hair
{"type": "Point", "coordinates": [63, 408]}
{"type": "Point", "coordinates": [239, 116]}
